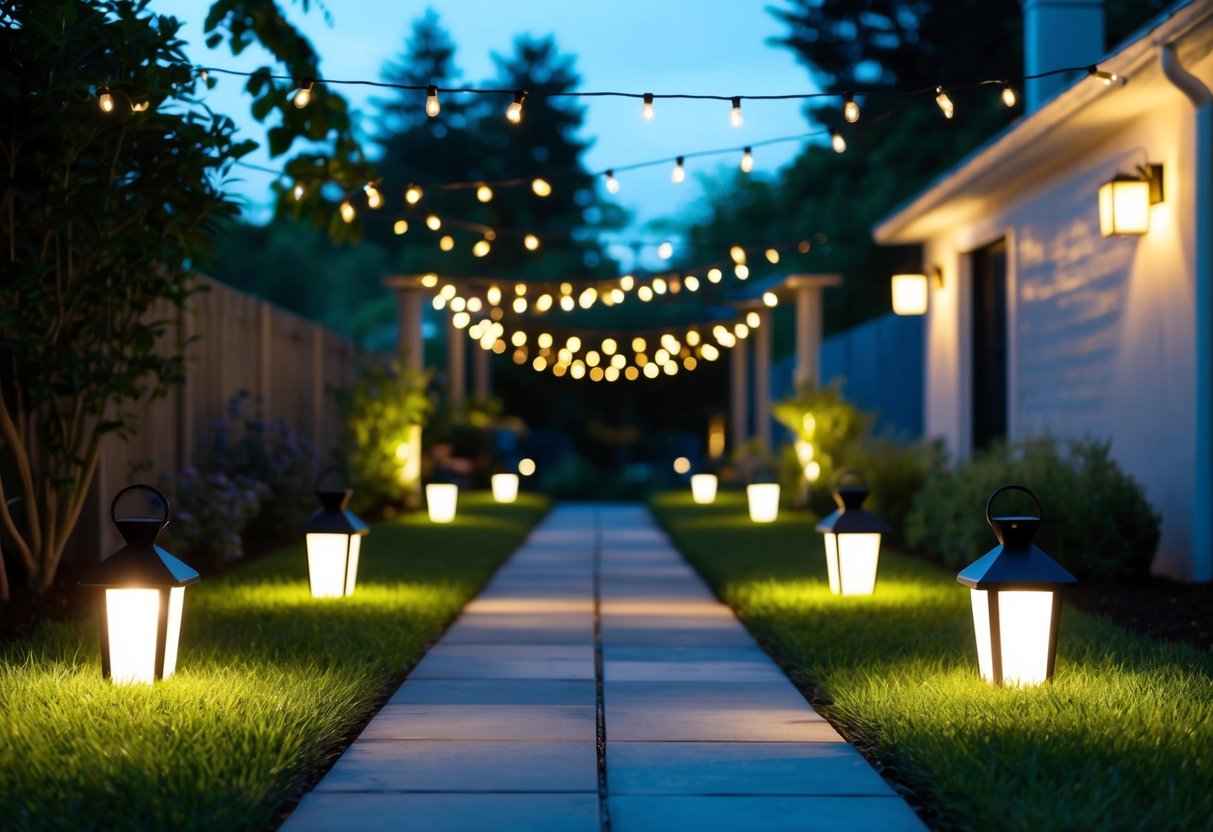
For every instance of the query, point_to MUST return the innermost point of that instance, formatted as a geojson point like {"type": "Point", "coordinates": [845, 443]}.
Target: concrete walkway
{"type": "Point", "coordinates": [503, 724]}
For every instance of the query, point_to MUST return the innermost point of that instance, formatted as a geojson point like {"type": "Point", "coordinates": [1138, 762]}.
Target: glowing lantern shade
{"type": "Point", "coordinates": [1016, 594]}
{"type": "Point", "coordinates": [909, 294]}
{"type": "Point", "coordinates": [763, 500]}
{"type": "Point", "coordinates": [441, 499]}
{"type": "Point", "coordinates": [1125, 200]}
{"type": "Point", "coordinates": [142, 599]}
{"type": "Point", "coordinates": [334, 540]}
{"type": "Point", "coordinates": [852, 540]}
{"type": "Point", "coordinates": [505, 487]}
{"type": "Point", "coordinates": [703, 488]}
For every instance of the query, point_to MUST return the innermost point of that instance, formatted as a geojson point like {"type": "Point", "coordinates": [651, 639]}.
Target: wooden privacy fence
{"type": "Point", "coordinates": [289, 365]}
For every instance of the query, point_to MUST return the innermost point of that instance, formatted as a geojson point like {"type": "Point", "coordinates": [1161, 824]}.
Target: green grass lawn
{"type": "Point", "coordinates": [1122, 738]}
{"type": "Point", "coordinates": [271, 684]}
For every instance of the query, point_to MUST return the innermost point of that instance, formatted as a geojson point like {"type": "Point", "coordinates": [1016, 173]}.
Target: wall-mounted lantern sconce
{"type": "Point", "coordinates": [143, 593]}
{"type": "Point", "coordinates": [852, 539]}
{"type": "Point", "coordinates": [1016, 591]}
{"type": "Point", "coordinates": [1125, 200]}
{"type": "Point", "coordinates": [334, 539]}
{"type": "Point", "coordinates": [911, 290]}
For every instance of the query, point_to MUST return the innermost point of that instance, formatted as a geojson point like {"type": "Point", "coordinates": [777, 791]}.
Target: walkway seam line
{"type": "Point", "coordinates": [604, 812]}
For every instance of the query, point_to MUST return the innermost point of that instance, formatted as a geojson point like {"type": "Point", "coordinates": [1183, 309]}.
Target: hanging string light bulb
{"type": "Point", "coordinates": [412, 195]}
{"type": "Point", "coordinates": [303, 95]}
{"type": "Point", "coordinates": [374, 199]}
{"type": "Point", "coordinates": [484, 193]}
{"type": "Point", "coordinates": [446, 243]}
{"type": "Point", "coordinates": [735, 119]}
{"type": "Point", "coordinates": [140, 107]}
{"type": "Point", "coordinates": [850, 110]}
{"type": "Point", "coordinates": [513, 113]}
{"type": "Point", "coordinates": [646, 109]}
{"type": "Point", "coordinates": [1104, 77]}
{"type": "Point", "coordinates": [679, 174]}
{"type": "Point", "coordinates": [432, 107]}
{"type": "Point", "coordinates": [400, 227]}
{"type": "Point", "coordinates": [837, 141]}
{"type": "Point", "coordinates": [347, 211]}
{"type": "Point", "coordinates": [945, 103]}
{"type": "Point", "coordinates": [531, 242]}
{"type": "Point", "coordinates": [481, 248]}
{"type": "Point", "coordinates": [433, 222]}
{"type": "Point", "coordinates": [105, 100]}
{"type": "Point", "coordinates": [1009, 98]}
{"type": "Point", "coordinates": [297, 191]}
{"type": "Point", "coordinates": [738, 254]}
{"type": "Point", "coordinates": [541, 187]}
{"type": "Point", "coordinates": [747, 160]}
{"type": "Point", "coordinates": [612, 184]}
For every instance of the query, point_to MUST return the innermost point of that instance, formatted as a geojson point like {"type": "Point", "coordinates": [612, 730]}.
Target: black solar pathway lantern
{"type": "Point", "coordinates": [334, 538]}
{"type": "Point", "coordinates": [143, 593]}
{"type": "Point", "coordinates": [852, 538]}
{"type": "Point", "coordinates": [1016, 592]}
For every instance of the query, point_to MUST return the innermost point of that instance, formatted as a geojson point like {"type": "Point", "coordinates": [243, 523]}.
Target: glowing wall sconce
{"type": "Point", "coordinates": [852, 539]}
{"type": "Point", "coordinates": [763, 501]}
{"type": "Point", "coordinates": [703, 488]}
{"type": "Point", "coordinates": [1125, 200]}
{"type": "Point", "coordinates": [505, 487]}
{"type": "Point", "coordinates": [334, 539]}
{"type": "Point", "coordinates": [440, 500]}
{"type": "Point", "coordinates": [1016, 590]}
{"type": "Point", "coordinates": [911, 291]}
{"type": "Point", "coordinates": [143, 593]}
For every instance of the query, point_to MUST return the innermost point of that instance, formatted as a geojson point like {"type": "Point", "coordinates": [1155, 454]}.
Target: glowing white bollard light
{"type": "Point", "coordinates": [1016, 590]}
{"type": "Point", "coordinates": [703, 488]}
{"type": "Point", "coordinates": [852, 540]}
{"type": "Point", "coordinates": [334, 540]}
{"type": "Point", "coordinates": [763, 500]}
{"type": "Point", "coordinates": [440, 500]}
{"type": "Point", "coordinates": [142, 601]}
{"type": "Point", "coordinates": [505, 487]}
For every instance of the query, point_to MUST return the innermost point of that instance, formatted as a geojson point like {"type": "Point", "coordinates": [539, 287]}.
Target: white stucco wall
{"type": "Point", "coordinates": [1102, 338]}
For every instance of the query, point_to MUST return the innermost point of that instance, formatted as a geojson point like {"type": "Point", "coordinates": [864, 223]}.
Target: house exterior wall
{"type": "Point", "coordinates": [1101, 331]}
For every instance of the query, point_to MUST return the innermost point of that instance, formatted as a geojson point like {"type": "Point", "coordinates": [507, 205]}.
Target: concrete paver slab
{"type": "Point", "coordinates": [465, 812]}
{"type": "Point", "coordinates": [494, 692]}
{"type": "Point", "coordinates": [482, 722]}
{"type": "Point", "coordinates": [761, 814]}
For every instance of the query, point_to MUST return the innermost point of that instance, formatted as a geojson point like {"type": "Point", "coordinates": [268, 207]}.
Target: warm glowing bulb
{"type": "Point", "coordinates": [682, 465]}
{"type": "Point", "coordinates": [446, 243]}
{"type": "Point", "coordinates": [432, 107]}
{"type": "Point", "coordinates": [735, 119]}
{"type": "Point", "coordinates": [772, 255]}
{"type": "Point", "coordinates": [513, 113]}
{"type": "Point", "coordinates": [433, 222]}
{"type": "Point", "coordinates": [770, 299]}
{"type": "Point", "coordinates": [714, 275]}
{"type": "Point", "coordinates": [753, 320]}
{"type": "Point", "coordinates": [400, 227]}
{"type": "Point", "coordinates": [460, 320]}
{"type": "Point", "coordinates": [105, 100]}
{"type": "Point", "coordinates": [747, 161]}
{"type": "Point", "coordinates": [850, 110]}
{"type": "Point", "coordinates": [347, 211]}
{"type": "Point", "coordinates": [481, 248]}
{"type": "Point", "coordinates": [659, 286]}
{"type": "Point", "coordinates": [679, 173]}
{"type": "Point", "coordinates": [531, 242]}
{"type": "Point", "coordinates": [541, 187]}
{"type": "Point", "coordinates": [1106, 78]}
{"type": "Point", "coordinates": [691, 282]}
{"type": "Point", "coordinates": [1008, 96]}
{"type": "Point", "coordinates": [484, 193]}
{"type": "Point", "coordinates": [374, 199]}
{"type": "Point", "coordinates": [837, 141]}
{"type": "Point", "coordinates": [298, 191]}
{"type": "Point", "coordinates": [429, 281]}
{"type": "Point", "coordinates": [519, 305]}
{"type": "Point", "coordinates": [493, 295]}
{"type": "Point", "coordinates": [945, 103]}
{"type": "Point", "coordinates": [647, 109]}
{"type": "Point", "coordinates": [612, 184]}
{"type": "Point", "coordinates": [303, 96]}
{"type": "Point", "coordinates": [412, 195]}
{"type": "Point", "coordinates": [665, 251]}
{"type": "Point", "coordinates": [140, 107]}
{"type": "Point", "coordinates": [738, 254]}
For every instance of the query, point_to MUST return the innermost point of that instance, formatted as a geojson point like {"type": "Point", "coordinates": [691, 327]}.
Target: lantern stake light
{"type": "Point", "coordinates": [142, 599]}
{"type": "Point", "coordinates": [852, 539]}
{"type": "Point", "coordinates": [441, 499]}
{"type": "Point", "coordinates": [505, 487]}
{"type": "Point", "coordinates": [334, 540]}
{"type": "Point", "coordinates": [1016, 592]}
{"type": "Point", "coordinates": [703, 488]}
{"type": "Point", "coordinates": [762, 500]}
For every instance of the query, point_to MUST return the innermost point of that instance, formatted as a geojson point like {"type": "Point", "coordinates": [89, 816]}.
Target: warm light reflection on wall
{"type": "Point", "coordinates": [910, 294]}
{"type": "Point", "coordinates": [703, 488]}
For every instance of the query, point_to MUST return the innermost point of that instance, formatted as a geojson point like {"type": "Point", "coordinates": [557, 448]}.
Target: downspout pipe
{"type": "Point", "coordinates": [1202, 498]}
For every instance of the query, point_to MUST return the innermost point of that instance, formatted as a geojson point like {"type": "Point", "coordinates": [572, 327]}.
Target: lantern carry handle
{"type": "Point", "coordinates": [335, 469]}
{"type": "Point", "coordinates": [1040, 512]}
{"type": "Point", "coordinates": [853, 474]}
{"type": "Point", "coordinates": [139, 487]}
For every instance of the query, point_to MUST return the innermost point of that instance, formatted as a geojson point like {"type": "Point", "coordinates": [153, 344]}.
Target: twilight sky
{"type": "Point", "coordinates": [687, 46]}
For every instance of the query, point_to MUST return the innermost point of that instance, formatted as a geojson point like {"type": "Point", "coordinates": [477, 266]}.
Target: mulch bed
{"type": "Point", "coordinates": [1155, 607]}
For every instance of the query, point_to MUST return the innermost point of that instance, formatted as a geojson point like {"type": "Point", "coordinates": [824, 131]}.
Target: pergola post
{"type": "Point", "coordinates": [482, 373]}
{"type": "Point", "coordinates": [739, 403]}
{"type": "Point", "coordinates": [456, 361]}
{"type": "Point", "coordinates": [762, 380]}
{"type": "Point", "coordinates": [809, 320]}
{"type": "Point", "coordinates": [410, 297]}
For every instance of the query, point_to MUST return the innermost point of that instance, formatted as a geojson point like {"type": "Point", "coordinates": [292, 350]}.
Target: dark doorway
{"type": "Point", "coordinates": [989, 344]}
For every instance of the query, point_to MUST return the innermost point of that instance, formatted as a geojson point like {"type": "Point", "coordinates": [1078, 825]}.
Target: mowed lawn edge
{"type": "Point", "coordinates": [1121, 739]}
{"type": "Point", "coordinates": [271, 684]}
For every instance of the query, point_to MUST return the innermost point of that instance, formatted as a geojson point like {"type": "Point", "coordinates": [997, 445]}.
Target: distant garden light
{"type": "Point", "coordinates": [763, 501]}
{"type": "Point", "coordinates": [703, 488]}
{"type": "Point", "coordinates": [852, 539]}
{"type": "Point", "coordinates": [441, 499]}
{"type": "Point", "coordinates": [505, 487]}
{"type": "Point", "coordinates": [334, 539]}
{"type": "Point", "coordinates": [142, 599]}
{"type": "Point", "coordinates": [1016, 594]}
{"type": "Point", "coordinates": [682, 465]}
{"type": "Point", "coordinates": [1125, 200]}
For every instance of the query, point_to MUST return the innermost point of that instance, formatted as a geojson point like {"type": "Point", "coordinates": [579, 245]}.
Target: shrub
{"type": "Point", "coordinates": [1097, 522]}
{"type": "Point", "coordinates": [211, 510]}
